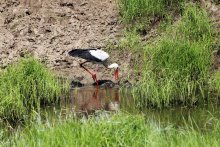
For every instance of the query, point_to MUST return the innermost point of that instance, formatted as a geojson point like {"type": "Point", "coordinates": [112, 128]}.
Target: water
{"type": "Point", "coordinates": [199, 118]}
{"type": "Point", "coordinates": [91, 99]}
{"type": "Point", "coordinates": [87, 101]}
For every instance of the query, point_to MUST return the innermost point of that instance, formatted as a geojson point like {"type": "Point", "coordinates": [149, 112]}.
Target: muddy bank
{"type": "Point", "coordinates": [49, 29]}
{"type": "Point", "coordinates": [102, 84]}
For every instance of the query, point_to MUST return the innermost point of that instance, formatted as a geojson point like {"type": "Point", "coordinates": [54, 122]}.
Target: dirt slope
{"type": "Point", "coordinates": [50, 28]}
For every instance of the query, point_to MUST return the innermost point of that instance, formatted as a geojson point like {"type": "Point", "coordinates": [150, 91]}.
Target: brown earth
{"type": "Point", "coordinates": [48, 29]}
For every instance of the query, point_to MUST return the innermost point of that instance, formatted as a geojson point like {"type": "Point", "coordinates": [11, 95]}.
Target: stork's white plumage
{"type": "Point", "coordinates": [95, 56]}
{"type": "Point", "coordinates": [99, 54]}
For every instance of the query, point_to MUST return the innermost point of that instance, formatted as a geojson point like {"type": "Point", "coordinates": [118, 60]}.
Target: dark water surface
{"type": "Point", "coordinates": [87, 101]}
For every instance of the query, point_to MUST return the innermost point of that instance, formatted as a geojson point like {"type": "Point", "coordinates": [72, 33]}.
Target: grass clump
{"type": "Point", "coordinates": [143, 11]}
{"type": "Point", "coordinates": [119, 130]}
{"type": "Point", "coordinates": [131, 41]}
{"type": "Point", "coordinates": [216, 83]}
{"type": "Point", "coordinates": [178, 64]}
{"type": "Point", "coordinates": [195, 25]}
{"type": "Point", "coordinates": [24, 86]}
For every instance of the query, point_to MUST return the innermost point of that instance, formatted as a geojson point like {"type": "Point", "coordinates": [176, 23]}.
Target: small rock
{"type": "Point", "coordinates": [66, 3]}
{"type": "Point", "coordinates": [30, 39]}
{"type": "Point", "coordinates": [67, 43]}
{"type": "Point", "coordinates": [75, 84]}
{"type": "Point", "coordinates": [27, 12]}
{"type": "Point", "coordinates": [105, 83]}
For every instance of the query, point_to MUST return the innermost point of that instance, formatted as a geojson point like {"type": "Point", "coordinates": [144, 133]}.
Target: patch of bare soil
{"type": "Point", "coordinates": [48, 29]}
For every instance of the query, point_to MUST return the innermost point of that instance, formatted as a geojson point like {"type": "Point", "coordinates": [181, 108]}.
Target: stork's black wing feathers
{"type": "Point", "coordinates": [84, 53]}
{"type": "Point", "coordinates": [78, 52]}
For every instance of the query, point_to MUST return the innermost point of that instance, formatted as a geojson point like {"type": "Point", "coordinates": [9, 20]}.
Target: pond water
{"type": "Point", "coordinates": [87, 101]}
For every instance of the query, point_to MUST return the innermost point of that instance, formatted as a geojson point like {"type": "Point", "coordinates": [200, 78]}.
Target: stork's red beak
{"type": "Point", "coordinates": [116, 74]}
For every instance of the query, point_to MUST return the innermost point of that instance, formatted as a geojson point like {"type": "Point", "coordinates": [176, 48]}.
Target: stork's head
{"type": "Point", "coordinates": [114, 66]}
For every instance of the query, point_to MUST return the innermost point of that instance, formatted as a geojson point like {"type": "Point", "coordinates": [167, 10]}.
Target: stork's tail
{"type": "Point", "coordinates": [75, 52]}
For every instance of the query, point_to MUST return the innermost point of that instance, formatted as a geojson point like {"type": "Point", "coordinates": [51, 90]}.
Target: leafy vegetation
{"type": "Point", "coordinates": [131, 41]}
{"type": "Point", "coordinates": [24, 87]}
{"type": "Point", "coordinates": [216, 82]}
{"type": "Point", "coordinates": [178, 63]}
{"type": "Point", "coordinates": [142, 13]}
{"type": "Point", "coordinates": [119, 130]}
{"type": "Point", "coordinates": [175, 70]}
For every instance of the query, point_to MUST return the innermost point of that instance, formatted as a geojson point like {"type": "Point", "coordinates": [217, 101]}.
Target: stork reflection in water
{"type": "Point", "coordinates": [89, 100]}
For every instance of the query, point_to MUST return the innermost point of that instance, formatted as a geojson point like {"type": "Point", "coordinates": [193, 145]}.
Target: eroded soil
{"type": "Point", "coordinates": [48, 29]}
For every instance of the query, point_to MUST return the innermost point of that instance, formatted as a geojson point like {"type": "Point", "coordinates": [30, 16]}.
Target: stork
{"type": "Point", "coordinates": [96, 56]}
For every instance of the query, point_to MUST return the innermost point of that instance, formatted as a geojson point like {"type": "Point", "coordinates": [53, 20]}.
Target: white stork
{"type": "Point", "coordinates": [95, 56]}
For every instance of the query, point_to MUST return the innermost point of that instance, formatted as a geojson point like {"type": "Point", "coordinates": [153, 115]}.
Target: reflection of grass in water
{"type": "Point", "coordinates": [126, 101]}
{"type": "Point", "coordinates": [24, 87]}
{"type": "Point", "coordinates": [118, 130]}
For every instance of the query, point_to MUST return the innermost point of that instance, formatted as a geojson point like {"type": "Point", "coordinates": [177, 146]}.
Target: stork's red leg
{"type": "Point", "coordinates": [93, 74]}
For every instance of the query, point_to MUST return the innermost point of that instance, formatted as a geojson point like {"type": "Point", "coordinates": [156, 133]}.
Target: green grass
{"type": "Point", "coordinates": [178, 63]}
{"type": "Point", "coordinates": [131, 41]}
{"type": "Point", "coordinates": [24, 87]}
{"type": "Point", "coordinates": [142, 13]}
{"type": "Point", "coordinates": [119, 130]}
{"type": "Point", "coordinates": [216, 83]}
{"type": "Point", "coordinates": [175, 70]}
{"type": "Point", "coordinates": [132, 10]}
